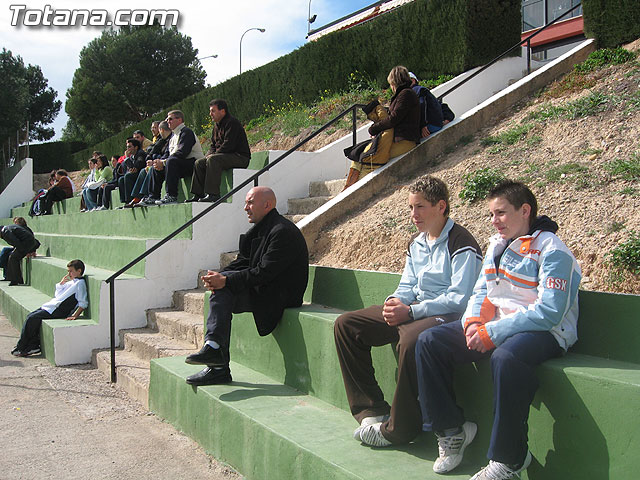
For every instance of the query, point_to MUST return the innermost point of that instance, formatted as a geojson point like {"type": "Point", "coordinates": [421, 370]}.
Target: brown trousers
{"type": "Point", "coordinates": [355, 333]}
{"type": "Point", "coordinates": [207, 172]}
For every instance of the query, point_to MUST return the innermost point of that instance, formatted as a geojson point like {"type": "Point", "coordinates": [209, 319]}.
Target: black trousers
{"type": "Point", "coordinates": [55, 194]}
{"type": "Point", "coordinates": [30, 335]}
{"type": "Point", "coordinates": [173, 171]}
{"type": "Point", "coordinates": [222, 305]}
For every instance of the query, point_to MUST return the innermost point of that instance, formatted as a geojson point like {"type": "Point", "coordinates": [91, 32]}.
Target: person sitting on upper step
{"type": "Point", "coordinates": [442, 265]}
{"type": "Point", "coordinates": [144, 141]}
{"type": "Point", "coordinates": [394, 132]}
{"type": "Point", "coordinates": [103, 174]}
{"type": "Point", "coordinates": [524, 310]}
{"type": "Point", "coordinates": [69, 301]}
{"type": "Point", "coordinates": [135, 162]}
{"type": "Point", "coordinates": [229, 149]}
{"type": "Point", "coordinates": [431, 118]}
{"type": "Point", "coordinates": [118, 169]}
{"type": "Point", "coordinates": [184, 150]}
{"type": "Point", "coordinates": [269, 275]}
{"type": "Point", "coordinates": [159, 150]}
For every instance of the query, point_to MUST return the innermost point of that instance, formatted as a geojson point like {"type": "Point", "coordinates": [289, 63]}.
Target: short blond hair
{"type": "Point", "coordinates": [398, 75]}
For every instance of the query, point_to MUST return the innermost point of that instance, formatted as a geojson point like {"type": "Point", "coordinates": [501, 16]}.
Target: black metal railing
{"type": "Point", "coordinates": [517, 45]}
{"type": "Point", "coordinates": [254, 178]}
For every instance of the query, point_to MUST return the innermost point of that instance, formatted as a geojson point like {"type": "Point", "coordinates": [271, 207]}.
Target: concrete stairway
{"type": "Point", "coordinates": [319, 194]}
{"type": "Point", "coordinates": [169, 332]}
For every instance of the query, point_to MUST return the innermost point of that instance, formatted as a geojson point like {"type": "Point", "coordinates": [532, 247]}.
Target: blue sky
{"type": "Point", "coordinates": [215, 28]}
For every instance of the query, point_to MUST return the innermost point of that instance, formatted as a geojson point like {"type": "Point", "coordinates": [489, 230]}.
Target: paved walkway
{"type": "Point", "coordinates": [71, 423]}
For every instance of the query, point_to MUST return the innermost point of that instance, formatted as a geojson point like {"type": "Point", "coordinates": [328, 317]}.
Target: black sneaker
{"type": "Point", "coordinates": [195, 198]}
{"type": "Point", "coordinates": [17, 353]}
{"type": "Point", "coordinates": [33, 351]}
{"type": "Point", "coordinates": [216, 357]}
{"type": "Point", "coordinates": [210, 376]}
{"type": "Point", "coordinates": [210, 198]}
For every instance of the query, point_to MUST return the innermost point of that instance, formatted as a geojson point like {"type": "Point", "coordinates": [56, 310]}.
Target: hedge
{"type": "Point", "coordinates": [430, 37]}
{"type": "Point", "coordinates": [54, 155]}
{"type": "Point", "coordinates": [611, 22]}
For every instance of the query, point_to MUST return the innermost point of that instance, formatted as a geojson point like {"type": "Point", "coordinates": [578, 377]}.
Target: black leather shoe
{"type": "Point", "coordinates": [210, 376]}
{"type": "Point", "coordinates": [195, 198]}
{"type": "Point", "coordinates": [210, 197]}
{"type": "Point", "coordinates": [213, 357]}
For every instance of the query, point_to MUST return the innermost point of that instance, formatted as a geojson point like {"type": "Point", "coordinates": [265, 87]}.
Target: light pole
{"type": "Point", "coordinates": [208, 56]}
{"type": "Point", "coordinates": [261, 30]}
{"type": "Point", "coordinates": [310, 19]}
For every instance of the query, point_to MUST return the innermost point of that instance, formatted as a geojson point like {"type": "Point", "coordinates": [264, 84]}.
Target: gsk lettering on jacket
{"type": "Point", "coordinates": [556, 283]}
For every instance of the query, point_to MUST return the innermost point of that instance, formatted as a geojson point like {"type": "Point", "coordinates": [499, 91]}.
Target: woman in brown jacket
{"type": "Point", "coordinates": [60, 190]}
{"type": "Point", "coordinates": [395, 132]}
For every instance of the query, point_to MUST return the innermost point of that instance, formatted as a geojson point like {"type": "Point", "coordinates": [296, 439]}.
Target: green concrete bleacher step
{"type": "Point", "coordinates": [109, 252]}
{"type": "Point", "coordinates": [267, 430]}
{"type": "Point", "coordinates": [151, 222]}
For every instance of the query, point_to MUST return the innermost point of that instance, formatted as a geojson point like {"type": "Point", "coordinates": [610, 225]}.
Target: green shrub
{"type": "Point", "coordinates": [611, 22]}
{"type": "Point", "coordinates": [626, 256]}
{"type": "Point", "coordinates": [603, 57]}
{"type": "Point", "coordinates": [626, 169]}
{"type": "Point", "coordinates": [479, 183]}
{"type": "Point", "coordinates": [560, 172]}
{"type": "Point", "coordinates": [508, 137]}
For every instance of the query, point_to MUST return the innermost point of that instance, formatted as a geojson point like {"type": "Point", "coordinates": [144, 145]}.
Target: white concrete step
{"type": "Point", "coordinates": [146, 344]}
{"type": "Point", "coordinates": [132, 373]}
{"type": "Point", "coordinates": [180, 325]}
{"type": "Point", "coordinates": [191, 301]}
{"type": "Point", "coordinates": [326, 188]}
{"type": "Point", "coordinates": [305, 206]}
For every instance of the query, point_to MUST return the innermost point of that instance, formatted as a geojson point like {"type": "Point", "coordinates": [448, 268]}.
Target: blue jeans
{"type": "Point", "coordinates": [141, 187]}
{"type": "Point", "coordinates": [513, 364]}
{"type": "Point", "coordinates": [90, 198]}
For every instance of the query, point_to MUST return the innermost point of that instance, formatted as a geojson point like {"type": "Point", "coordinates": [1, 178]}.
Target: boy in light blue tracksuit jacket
{"type": "Point", "coordinates": [442, 265]}
{"type": "Point", "coordinates": [523, 311]}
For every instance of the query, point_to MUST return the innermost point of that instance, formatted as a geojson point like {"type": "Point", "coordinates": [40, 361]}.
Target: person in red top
{"type": "Point", "coordinates": [60, 190]}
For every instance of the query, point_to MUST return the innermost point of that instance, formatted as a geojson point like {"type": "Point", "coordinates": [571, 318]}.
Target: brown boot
{"type": "Point", "coordinates": [353, 177]}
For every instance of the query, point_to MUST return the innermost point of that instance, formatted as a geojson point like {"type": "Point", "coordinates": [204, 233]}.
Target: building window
{"type": "Point", "coordinates": [537, 13]}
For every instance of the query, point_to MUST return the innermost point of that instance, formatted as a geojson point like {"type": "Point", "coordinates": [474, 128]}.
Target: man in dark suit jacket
{"type": "Point", "coordinates": [24, 242]}
{"type": "Point", "coordinates": [269, 275]}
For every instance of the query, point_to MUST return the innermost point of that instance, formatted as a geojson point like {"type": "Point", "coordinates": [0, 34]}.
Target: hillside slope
{"type": "Point", "coordinates": [576, 144]}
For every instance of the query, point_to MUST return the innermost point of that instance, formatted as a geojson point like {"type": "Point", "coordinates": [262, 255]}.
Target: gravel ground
{"type": "Point", "coordinates": [71, 423]}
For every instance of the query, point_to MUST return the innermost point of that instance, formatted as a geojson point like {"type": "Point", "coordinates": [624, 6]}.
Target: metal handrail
{"type": "Point", "coordinates": [526, 40]}
{"type": "Point", "coordinates": [254, 178]}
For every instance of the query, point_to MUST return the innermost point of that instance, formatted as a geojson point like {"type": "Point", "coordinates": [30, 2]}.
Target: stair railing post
{"type": "Point", "coordinates": [353, 123]}
{"type": "Point", "coordinates": [528, 56]}
{"type": "Point", "coordinates": [112, 328]}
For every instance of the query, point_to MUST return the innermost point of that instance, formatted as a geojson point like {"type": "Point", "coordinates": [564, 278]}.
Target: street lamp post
{"type": "Point", "coordinates": [310, 19]}
{"type": "Point", "coordinates": [261, 30]}
{"type": "Point", "coordinates": [208, 56]}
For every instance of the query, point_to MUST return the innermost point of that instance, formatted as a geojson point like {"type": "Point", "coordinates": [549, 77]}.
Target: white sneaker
{"type": "Point", "coordinates": [500, 471]}
{"type": "Point", "coordinates": [451, 449]}
{"type": "Point", "coordinates": [100, 208]}
{"type": "Point", "coordinates": [167, 200]}
{"type": "Point", "coordinates": [366, 421]}
{"type": "Point", "coordinates": [371, 435]}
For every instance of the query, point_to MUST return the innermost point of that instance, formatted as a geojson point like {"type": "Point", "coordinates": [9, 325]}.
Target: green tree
{"type": "Point", "coordinates": [128, 75]}
{"type": "Point", "coordinates": [25, 96]}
